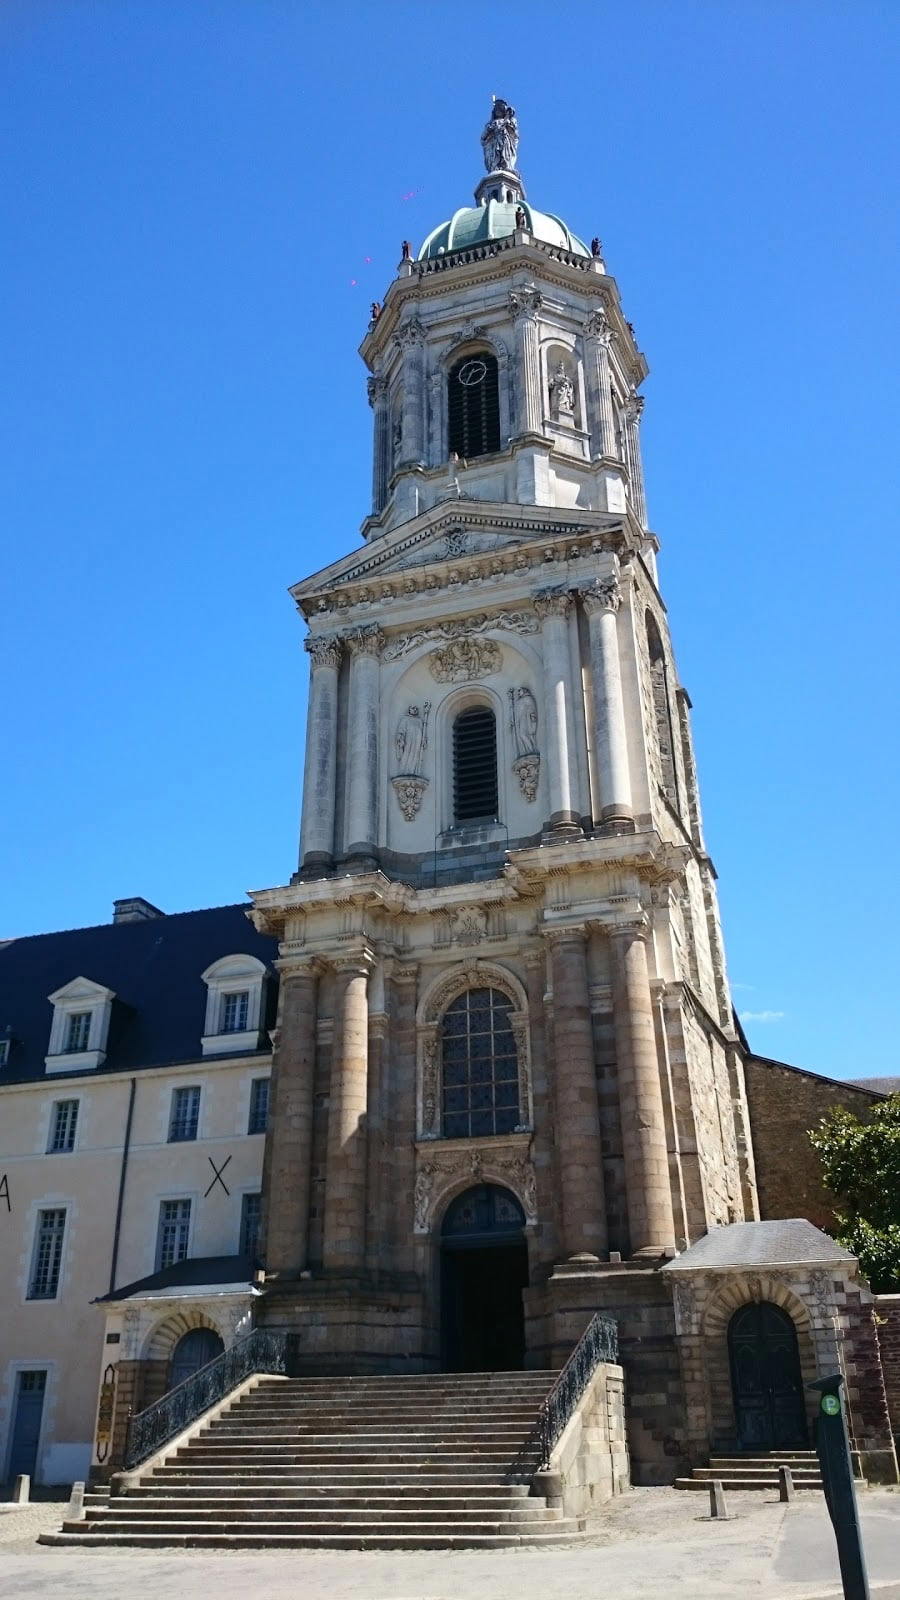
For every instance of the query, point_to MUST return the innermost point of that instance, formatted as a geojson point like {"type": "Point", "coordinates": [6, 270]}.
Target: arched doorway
{"type": "Point", "coordinates": [766, 1380]}
{"type": "Point", "coordinates": [192, 1352]}
{"type": "Point", "coordinates": [484, 1268]}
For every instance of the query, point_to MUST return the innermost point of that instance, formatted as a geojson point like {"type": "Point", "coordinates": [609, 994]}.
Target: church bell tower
{"type": "Point", "coordinates": [504, 1011]}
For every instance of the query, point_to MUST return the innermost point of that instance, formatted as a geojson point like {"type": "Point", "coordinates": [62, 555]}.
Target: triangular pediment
{"type": "Point", "coordinates": [445, 534]}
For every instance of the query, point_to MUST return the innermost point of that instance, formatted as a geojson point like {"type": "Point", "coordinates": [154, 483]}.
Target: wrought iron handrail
{"type": "Point", "coordinates": [263, 1350]}
{"type": "Point", "coordinates": [599, 1342]}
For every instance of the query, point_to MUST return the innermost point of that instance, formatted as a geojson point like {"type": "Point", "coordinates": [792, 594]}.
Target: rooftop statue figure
{"type": "Point", "coordinates": [500, 139]}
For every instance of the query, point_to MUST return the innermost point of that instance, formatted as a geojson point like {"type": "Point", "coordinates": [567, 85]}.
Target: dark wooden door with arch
{"type": "Point", "coordinates": [765, 1378]}
{"type": "Point", "coordinates": [192, 1352]}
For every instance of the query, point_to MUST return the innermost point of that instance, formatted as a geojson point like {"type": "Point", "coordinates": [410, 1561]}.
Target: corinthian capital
{"type": "Point", "coordinates": [366, 641]}
{"type": "Point", "coordinates": [525, 302]}
{"type": "Point", "coordinates": [634, 406]}
{"type": "Point", "coordinates": [325, 650]}
{"type": "Point", "coordinates": [597, 326]}
{"type": "Point", "coordinates": [552, 603]}
{"type": "Point", "coordinates": [604, 595]}
{"type": "Point", "coordinates": [412, 333]}
{"type": "Point", "coordinates": [376, 389]}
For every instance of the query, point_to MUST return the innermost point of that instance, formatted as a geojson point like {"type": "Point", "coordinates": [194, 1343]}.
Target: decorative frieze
{"type": "Point", "coordinates": [451, 1168]}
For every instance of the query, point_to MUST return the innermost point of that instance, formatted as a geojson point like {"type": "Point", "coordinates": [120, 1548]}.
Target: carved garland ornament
{"type": "Point", "coordinates": [514, 621]}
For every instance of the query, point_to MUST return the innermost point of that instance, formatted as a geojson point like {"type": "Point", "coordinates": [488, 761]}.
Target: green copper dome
{"type": "Point", "coordinates": [497, 220]}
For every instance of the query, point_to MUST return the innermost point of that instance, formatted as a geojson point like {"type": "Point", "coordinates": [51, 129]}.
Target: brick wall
{"type": "Point", "coordinates": [887, 1320]}
{"type": "Point", "coordinates": [785, 1103]}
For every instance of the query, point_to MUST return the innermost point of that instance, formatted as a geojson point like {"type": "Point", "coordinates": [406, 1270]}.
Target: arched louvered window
{"type": "Point", "coordinates": [475, 765]}
{"type": "Point", "coordinates": [479, 1066]}
{"type": "Point", "coordinates": [473, 406]}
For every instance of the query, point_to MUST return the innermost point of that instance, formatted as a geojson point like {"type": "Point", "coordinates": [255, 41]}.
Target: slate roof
{"type": "Point", "coordinates": [154, 968]}
{"type": "Point", "coordinates": [877, 1085]}
{"type": "Point", "coordinates": [200, 1276]}
{"type": "Point", "coordinates": [759, 1244]}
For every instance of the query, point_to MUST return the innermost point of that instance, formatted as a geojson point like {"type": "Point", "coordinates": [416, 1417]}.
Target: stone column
{"type": "Point", "coordinates": [437, 435]}
{"type": "Point", "coordinates": [578, 1147]}
{"type": "Point", "coordinates": [601, 602]}
{"type": "Point", "coordinates": [597, 340]}
{"type": "Point", "coordinates": [361, 824]}
{"type": "Point", "coordinates": [411, 339]}
{"type": "Point", "coordinates": [633, 408]}
{"type": "Point", "coordinates": [648, 1186]}
{"type": "Point", "coordinates": [381, 444]}
{"type": "Point", "coordinates": [525, 305]}
{"type": "Point", "coordinates": [553, 606]}
{"type": "Point", "coordinates": [344, 1245]}
{"type": "Point", "coordinates": [317, 828]}
{"type": "Point", "coordinates": [288, 1154]}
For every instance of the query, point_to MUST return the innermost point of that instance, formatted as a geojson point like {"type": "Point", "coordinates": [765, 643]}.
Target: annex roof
{"type": "Point", "coordinates": [782, 1243]}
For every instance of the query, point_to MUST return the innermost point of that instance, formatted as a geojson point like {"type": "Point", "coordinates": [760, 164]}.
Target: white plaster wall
{"type": "Point", "coordinates": [65, 1335]}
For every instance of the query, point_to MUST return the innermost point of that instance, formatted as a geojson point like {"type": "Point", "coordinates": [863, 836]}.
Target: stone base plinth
{"type": "Point", "coordinates": [346, 1326]}
{"type": "Point", "coordinates": [640, 1300]}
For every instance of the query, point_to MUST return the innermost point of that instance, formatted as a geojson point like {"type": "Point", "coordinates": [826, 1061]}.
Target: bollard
{"type": "Point", "coordinates": [785, 1484]}
{"type": "Point", "coordinates": [75, 1508]}
{"type": "Point", "coordinates": [22, 1490]}
{"type": "Point", "coordinates": [717, 1507]}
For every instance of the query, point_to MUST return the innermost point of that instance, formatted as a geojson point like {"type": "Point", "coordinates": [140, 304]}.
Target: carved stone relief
{"type": "Point", "coordinates": [409, 792]}
{"type": "Point", "coordinates": [524, 723]}
{"type": "Point", "coordinates": [513, 621]}
{"type": "Point", "coordinates": [469, 925]}
{"type": "Point", "coordinates": [443, 1169]}
{"type": "Point", "coordinates": [465, 659]}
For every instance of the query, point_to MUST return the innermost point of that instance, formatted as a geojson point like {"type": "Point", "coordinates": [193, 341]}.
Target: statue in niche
{"type": "Point", "coordinates": [411, 740]}
{"type": "Point", "coordinates": [562, 392]}
{"type": "Point", "coordinates": [500, 139]}
{"type": "Point", "coordinates": [524, 721]}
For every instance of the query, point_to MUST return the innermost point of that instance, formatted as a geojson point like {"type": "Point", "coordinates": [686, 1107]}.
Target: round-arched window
{"type": "Point", "coordinates": [473, 406]}
{"type": "Point", "coordinates": [479, 1066]}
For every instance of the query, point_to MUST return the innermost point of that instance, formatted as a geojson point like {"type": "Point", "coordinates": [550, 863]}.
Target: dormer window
{"type": "Point", "coordinates": [80, 1026]}
{"type": "Point", "coordinates": [235, 1009]}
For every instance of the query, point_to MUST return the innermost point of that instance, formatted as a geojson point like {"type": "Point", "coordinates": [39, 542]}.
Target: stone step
{"type": "Point", "coordinates": [807, 1459]}
{"type": "Point", "coordinates": [324, 1454]}
{"type": "Point", "coordinates": [165, 1482]}
{"type": "Point", "coordinates": [522, 1505]}
{"type": "Point", "coordinates": [737, 1468]}
{"type": "Point", "coordinates": [252, 1538]}
{"type": "Point", "coordinates": [360, 1528]}
{"type": "Point", "coordinates": [424, 1430]}
{"type": "Point", "coordinates": [321, 1516]}
{"type": "Point", "coordinates": [414, 1416]}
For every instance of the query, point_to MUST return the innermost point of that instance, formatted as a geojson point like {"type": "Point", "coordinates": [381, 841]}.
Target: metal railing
{"type": "Point", "coordinates": [599, 1342]}
{"type": "Point", "coordinates": [263, 1350]}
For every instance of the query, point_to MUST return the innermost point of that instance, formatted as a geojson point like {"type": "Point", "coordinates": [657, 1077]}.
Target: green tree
{"type": "Point", "coordinates": [861, 1167]}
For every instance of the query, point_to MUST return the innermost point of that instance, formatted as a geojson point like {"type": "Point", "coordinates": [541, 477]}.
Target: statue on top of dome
{"type": "Point", "coordinates": [500, 139]}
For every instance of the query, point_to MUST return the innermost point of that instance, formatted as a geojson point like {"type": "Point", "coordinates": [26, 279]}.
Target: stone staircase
{"type": "Point", "coordinates": [408, 1462]}
{"type": "Point", "coordinates": [756, 1472]}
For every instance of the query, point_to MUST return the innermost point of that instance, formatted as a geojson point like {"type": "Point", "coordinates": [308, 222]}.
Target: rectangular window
{"type": "Point", "coordinates": [174, 1232]}
{"type": "Point", "coordinates": [259, 1105]}
{"type": "Point", "coordinates": [235, 1008]}
{"type": "Point", "coordinates": [250, 1215]}
{"type": "Point", "coordinates": [185, 1114]}
{"type": "Point", "coordinates": [62, 1126]}
{"type": "Point", "coordinates": [79, 1031]}
{"type": "Point", "coordinates": [47, 1261]}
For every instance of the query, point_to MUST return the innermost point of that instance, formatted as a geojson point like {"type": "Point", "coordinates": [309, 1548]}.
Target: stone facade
{"type": "Point", "coordinates": [785, 1103]}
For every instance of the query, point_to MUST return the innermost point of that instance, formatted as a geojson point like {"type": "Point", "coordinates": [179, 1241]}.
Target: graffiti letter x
{"type": "Point", "coordinates": [218, 1175]}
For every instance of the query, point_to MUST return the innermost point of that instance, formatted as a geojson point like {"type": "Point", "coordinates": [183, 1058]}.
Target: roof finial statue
{"type": "Point", "coordinates": [500, 139]}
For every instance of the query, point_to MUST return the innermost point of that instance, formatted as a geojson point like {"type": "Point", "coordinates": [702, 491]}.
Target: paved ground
{"type": "Point", "coordinates": [652, 1541]}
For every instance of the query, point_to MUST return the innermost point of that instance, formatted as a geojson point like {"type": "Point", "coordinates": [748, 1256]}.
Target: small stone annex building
{"type": "Point", "coordinates": [507, 1085]}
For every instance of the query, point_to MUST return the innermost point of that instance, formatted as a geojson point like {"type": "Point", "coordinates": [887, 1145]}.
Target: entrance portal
{"type": "Point", "coordinates": [484, 1268]}
{"type": "Point", "coordinates": [766, 1379]}
{"type": "Point", "coordinates": [192, 1352]}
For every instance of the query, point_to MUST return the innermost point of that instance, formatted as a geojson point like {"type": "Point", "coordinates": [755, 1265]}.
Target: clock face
{"type": "Point", "coordinates": [831, 1405]}
{"type": "Point", "coordinates": [472, 373]}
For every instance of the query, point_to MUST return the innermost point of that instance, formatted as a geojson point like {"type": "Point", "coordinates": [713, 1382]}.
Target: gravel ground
{"type": "Point", "coordinates": [650, 1542]}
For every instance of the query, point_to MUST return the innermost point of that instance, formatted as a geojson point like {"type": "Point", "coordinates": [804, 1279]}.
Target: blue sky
{"type": "Point", "coordinates": [202, 198]}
